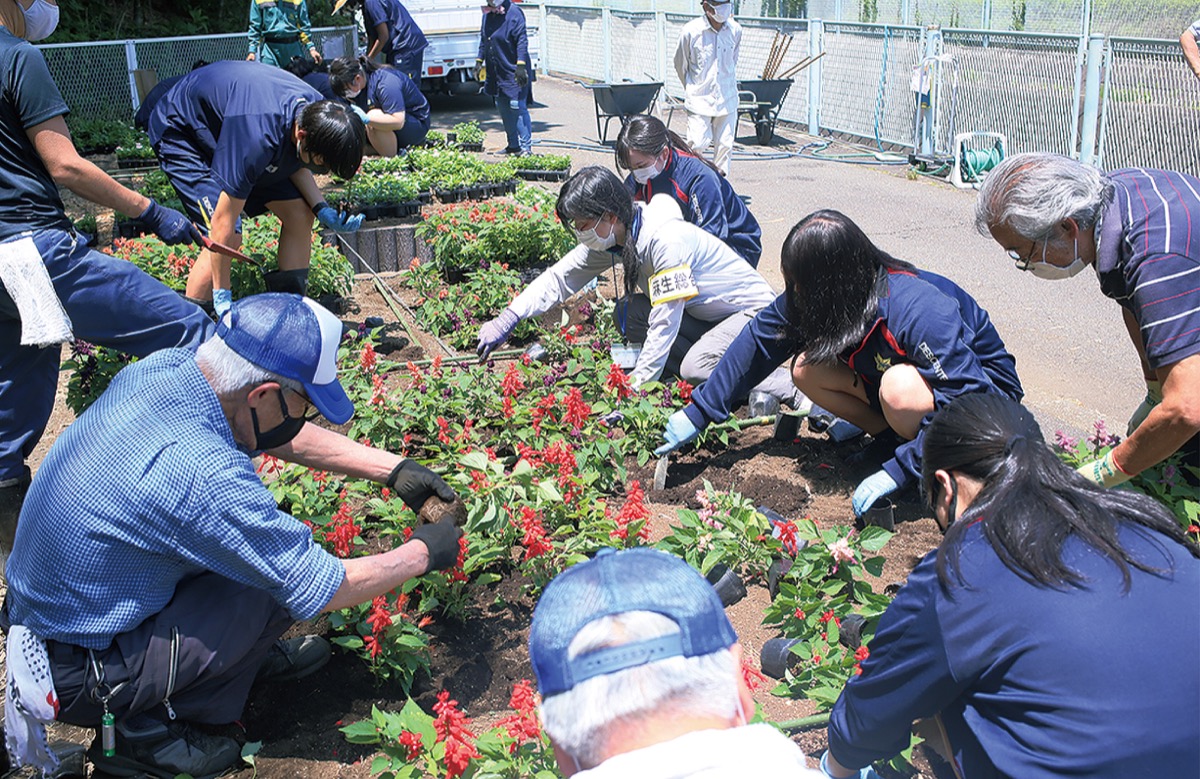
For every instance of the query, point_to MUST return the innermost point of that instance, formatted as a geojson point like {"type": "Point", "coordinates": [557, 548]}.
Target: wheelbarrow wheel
{"type": "Point", "coordinates": [765, 130]}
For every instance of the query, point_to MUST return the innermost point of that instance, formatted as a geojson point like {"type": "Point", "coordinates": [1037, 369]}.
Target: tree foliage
{"type": "Point", "coordinates": [157, 18]}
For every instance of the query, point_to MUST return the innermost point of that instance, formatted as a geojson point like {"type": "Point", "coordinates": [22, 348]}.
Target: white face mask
{"type": "Point", "coordinates": [642, 175]}
{"type": "Point", "coordinates": [41, 19]}
{"type": "Point", "coordinates": [1044, 270]}
{"type": "Point", "coordinates": [593, 240]}
{"type": "Point", "coordinates": [352, 93]}
{"type": "Point", "coordinates": [721, 13]}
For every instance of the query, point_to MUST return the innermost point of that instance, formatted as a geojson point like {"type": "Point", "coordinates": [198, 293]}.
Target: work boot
{"type": "Point", "coordinates": [12, 497]}
{"type": "Point", "coordinates": [165, 750]}
{"type": "Point", "coordinates": [294, 658]}
{"type": "Point", "coordinates": [294, 281]}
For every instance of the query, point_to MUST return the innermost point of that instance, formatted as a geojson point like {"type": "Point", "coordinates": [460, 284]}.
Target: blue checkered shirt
{"type": "Point", "coordinates": [148, 488]}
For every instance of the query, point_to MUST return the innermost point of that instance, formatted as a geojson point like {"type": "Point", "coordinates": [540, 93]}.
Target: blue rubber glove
{"type": "Point", "coordinates": [222, 300]}
{"type": "Point", "coordinates": [496, 332]}
{"type": "Point", "coordinates": [679, 431]}
{"type": "Point", "coordinates": [862, 773]}
{"type": "Point", "coordinates": [361, 114]}
{"type": "Point", "coordinates": [169, 225]}
{"type": "Point", "coordinates": [330, 217]}
{"type": "Point", "coordinates": [871, 489]}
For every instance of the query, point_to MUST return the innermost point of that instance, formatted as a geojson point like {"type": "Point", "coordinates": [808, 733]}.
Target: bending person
{"type": "Point", "coordinates": [391, 32]}
{"type": "Point", "coordinates": [389, 103]}
{"type": "Point", "coordinates": [238, 137]}
{"type": "Point", "coordinates": [660, 162]}
{"type": "Point", "coordinates": [876, 341]}
{"type": "Point", "coordinates": [687, 295]}
{"type": "Point", "coordinates": [1041, 587]}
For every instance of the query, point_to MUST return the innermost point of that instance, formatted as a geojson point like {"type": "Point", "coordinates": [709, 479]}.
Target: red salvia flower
{"type": "Point", "coordinates": [366, 359]}
{"type": "Point", "coordinates": [342, 530]}
{"type": "Point", "coordinates": [535, 540]}
{"type": "Point", "coordinates": [577, 409]}
{"type": "Point", "coordinates": [450, 725]}
{"type": "Point", "coordinates": [378, 391]}
{"type": "Point", "coordinates": [379, 618]}
{"type": "Point", "coordinates": [754, 678]}
{"type": "Point", "coordinates": [412, 742]}
{"type": "Point", "coordinates": [618, 382]}
{"type": "Point", "coordinates": [443, 430]}
{"type": "Point", "coordinates": [633, 510]}
{"type": "Point", "coordinates": [685, 390]}
{"type": "Point", "coordinates": [524, 724]}
{"type": "Point", "coordinates": [512, 384]}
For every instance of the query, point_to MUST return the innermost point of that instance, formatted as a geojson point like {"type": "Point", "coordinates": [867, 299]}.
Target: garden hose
{"type": "Point", "coordinates": [976, 162]}
{"type": "Point", "coordinates": [805, 723]}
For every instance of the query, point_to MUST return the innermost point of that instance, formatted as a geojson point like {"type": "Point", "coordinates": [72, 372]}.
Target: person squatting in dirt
{"type": "Point", "coordinates": [389, 103]}
{"type": "Point", "coordinates": [242, 137]}
{"type": "Point", "coordinates": [646, 679]}
{"type": "Point", "coordinates": [874, 340]}
{"type": "Point", "coordinates": [1056, 216]}
{"type": "Point", "coordinates": [687, 294]}
{"type": "Point", "coordinates": [1009, 632]}
{"type": "Point", "coordinates": [53, 288]}
{"type": "Point", "coordinates": [153, 572]}
{"type": "Point", "coordinates": [660, 162]}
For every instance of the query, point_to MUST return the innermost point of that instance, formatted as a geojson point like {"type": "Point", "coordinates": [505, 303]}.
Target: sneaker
{"type": "Point", "coordinates": [165, 750]}
{"type": "Point", "coordinates": [294, 658]}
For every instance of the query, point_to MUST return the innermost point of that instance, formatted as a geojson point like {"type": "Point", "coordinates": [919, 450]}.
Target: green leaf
{"type": "Point", "coordinates": [873, 538]}
{"type": "Point", "coordinates": [548, 491]}
{"type": "Point", "coordinates": [361, 732]}
{"type": "Point", "coordinates": [874, 566]}
{"type": "Point", "coordinates": [474, 460]}
{"type": "Point", "coordinates": [250, 751]}
{"type": "Point", "coordinates": [347, 642]}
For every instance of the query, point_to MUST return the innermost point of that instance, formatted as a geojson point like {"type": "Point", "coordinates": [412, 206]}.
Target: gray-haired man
{"type": "Point", "coordinates": [640, 675]}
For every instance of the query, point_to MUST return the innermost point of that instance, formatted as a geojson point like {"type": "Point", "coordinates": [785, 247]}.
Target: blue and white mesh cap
{"type": "Point", "coordinates": [613, 583]}
{"type": "Point", "coordinates": [294, 337]}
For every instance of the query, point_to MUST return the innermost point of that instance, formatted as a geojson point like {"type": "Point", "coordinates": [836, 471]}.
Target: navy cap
{"type": "Point", "coordinates": [613, 583]}
{"type": "Point", "coordinates": [293, 337]}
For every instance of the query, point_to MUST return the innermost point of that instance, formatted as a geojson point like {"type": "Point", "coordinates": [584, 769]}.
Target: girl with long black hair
{"type": "Point", "coordinates": [1054, 631]}
{"type": "Point", "coordinates": [875, 341]}
{"type": "Point", "coordinates": [687, 294]}
{"type": "Point", "coordinates": [660, 162]}
{"type": "Point", "coordinates": [388, 101]}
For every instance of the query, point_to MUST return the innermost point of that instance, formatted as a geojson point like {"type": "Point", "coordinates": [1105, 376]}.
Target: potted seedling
{"type": "Point", "coordinates": [469, 135]}
{"type": "Point", "coordinates": [544, 167]}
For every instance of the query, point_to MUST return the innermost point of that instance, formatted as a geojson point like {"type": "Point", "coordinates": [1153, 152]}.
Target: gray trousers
{"type": "Point", "coordinates": [199, 656]}
{"type": "Point", "coordinates": [700, 345]}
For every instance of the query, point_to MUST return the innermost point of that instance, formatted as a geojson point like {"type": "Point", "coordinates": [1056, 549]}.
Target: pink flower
{"type": "Point", "coordinates": [841, 551]}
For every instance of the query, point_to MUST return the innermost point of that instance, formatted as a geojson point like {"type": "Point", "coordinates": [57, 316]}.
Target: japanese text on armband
{"type": "Point", "coordinates": [672, 284]}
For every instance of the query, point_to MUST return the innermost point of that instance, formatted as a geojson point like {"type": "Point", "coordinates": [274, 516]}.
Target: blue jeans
{"type": "Point", "coordinates": [111, 303]}
{"type": "Point", "coordinates": [517, 126]}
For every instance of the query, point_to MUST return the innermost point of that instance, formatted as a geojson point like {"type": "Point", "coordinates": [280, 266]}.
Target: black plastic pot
{"type": "Point", "coordinates": [370, 213]}
{"type": "Point", "coordinates": [777, 571]}
{"type": "Point", "coordinates": [451, 138]}
{"type": "Point", "coordinates": [850, 631]}
{"type": "Point", "coordinates": [728, 585]}
{"type": "Point", "coordinates": [136, 162]}
{"type": "Point", "coordinates": [776, 657]}
{"type": "Point", "coordinates": [470, 147]}
{"type": "Point", "coordinates": [787, 427]}
{"type": "Point", "coordinates": [881, 514]}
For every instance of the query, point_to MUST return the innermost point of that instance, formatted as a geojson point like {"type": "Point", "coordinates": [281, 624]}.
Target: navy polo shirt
{"type": "Point", "coordinates": [237, 116]}
{"type": "Point", "coordinates": [391, 91]}
{"type": "Point", "coordinates": [406, 36]}
{"type": "Point", "coordinates": [28, 96]}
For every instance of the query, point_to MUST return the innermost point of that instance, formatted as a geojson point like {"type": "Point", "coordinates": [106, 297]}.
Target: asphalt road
{"type": "Point", "coordinates": [1073, 355]}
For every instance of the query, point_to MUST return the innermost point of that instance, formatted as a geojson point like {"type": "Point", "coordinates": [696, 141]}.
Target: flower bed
{"type": "Point", "coordinates": [463, 238]}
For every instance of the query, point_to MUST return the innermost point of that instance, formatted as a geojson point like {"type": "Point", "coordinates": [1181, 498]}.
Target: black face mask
{"type": "Point", "coordinates": [279, 435]}
{"type": "Point", "coordinates": [319, 170]}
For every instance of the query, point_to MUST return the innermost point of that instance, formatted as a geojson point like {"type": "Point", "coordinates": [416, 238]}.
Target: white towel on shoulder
{"type": "Point", "coordinates": [44, 321]}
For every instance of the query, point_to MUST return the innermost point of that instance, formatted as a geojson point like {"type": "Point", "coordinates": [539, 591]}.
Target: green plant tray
{"type": "Point", "coordinates": [137, 162]}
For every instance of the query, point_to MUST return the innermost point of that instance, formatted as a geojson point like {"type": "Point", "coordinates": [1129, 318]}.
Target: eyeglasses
{"type": "Point", "coordinates": [1026, 262]}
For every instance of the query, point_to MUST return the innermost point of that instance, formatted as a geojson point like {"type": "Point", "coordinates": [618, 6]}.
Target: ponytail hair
{"type": "Point", "coordinates": [1031, 502]}
{"type": "Point", "coordinates": [343, 71]}
{"type": "Point", "coordinates": [592, 193]}
{"type": "Point", "coordinates": [648, 135]}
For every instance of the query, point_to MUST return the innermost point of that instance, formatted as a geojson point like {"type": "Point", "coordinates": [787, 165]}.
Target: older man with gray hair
{"type": "Point", "coordinates": [153, 573]}
{"type": "Point", "coordinates": [640, 674]}
{"type": "Point", "coordinates": [1139, 231]}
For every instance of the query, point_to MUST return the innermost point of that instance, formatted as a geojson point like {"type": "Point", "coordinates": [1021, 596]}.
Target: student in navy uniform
{"type": "Point", "coordinates": [238, 137]}
{"type": "Point", "coordinates": [391, 32]}
{"type": "Point", "coordinates": [395, 112]}
{"type": "Point", "coordinates": [876, 341]}
{"type": "Point", "coordinates": [316, 76]}
{"type": "Point", "coordinates": [659, 161]}
{"type": "Point", "coordinates": [141, 119]}
{"type": "Point", "coordinates": [109, 301]}
{"type": "Point", "coordinates": [1057, 216]}
{"type": "Point", "coordinates": [1031, 631]}
{"type": "Point", "coordinates": [504, 50]}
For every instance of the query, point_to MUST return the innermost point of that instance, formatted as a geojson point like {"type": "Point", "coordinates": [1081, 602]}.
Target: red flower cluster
{"type": "Point", "coordinates": [450, 726]}
{"type": "Point", "coordinates": [618, 382]}
{"type": "Point", "coordinates": [577, 409]}
{"type": "Point", "coordinates": [341, 531]}
{"type": "Point", "coordinates": [535, 540]}
{"type": "Point", "coordinates": [860, 654]}
{"type": "Point", "coordinates": [270, 464]}
{"type": "Point", "coordinates": [457, 574]}
{"type": "Point", "coordinates": [828, 615]}
{"type": "Point", "coordinates": [524, 724]}
{"type": "Point", "coordinates": [633, 510]}
{"type": "Point", "coordinates": [366, 360]}
{"type": "Point", "coordinates": [754, 678]}
{"type": "Point", "coordinates": [415, 372]}
{"type": "Point", "coordinates": [543, 409]}
{"type": "Point", "coordinates": [378, 391]}
{"type": "Point", "coordinates": [409, 740]}
{"type": "Point", "coordinates": [685, 390]}
{"type": "Point", "coordinates": [510, 386]}
{"type": "Point", "coordinates": [787, 536]}
{"type": "Point", "coordinates": [443, 430]}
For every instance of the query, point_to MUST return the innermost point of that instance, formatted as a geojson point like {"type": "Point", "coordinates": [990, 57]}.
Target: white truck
{"type": "Point", "coordinates": [452, 28]}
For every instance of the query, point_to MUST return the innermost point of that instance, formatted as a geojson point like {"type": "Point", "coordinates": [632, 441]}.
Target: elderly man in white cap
{"type": "Point", "coordinates": [152, 572]}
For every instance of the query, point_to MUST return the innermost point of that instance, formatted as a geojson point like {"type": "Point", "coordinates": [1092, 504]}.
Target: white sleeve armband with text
{"type": "Point", "coordinates": [672, 284]}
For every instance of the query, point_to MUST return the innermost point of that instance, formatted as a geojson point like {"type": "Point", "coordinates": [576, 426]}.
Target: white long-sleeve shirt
{"type": "Point", "coordinates": [682, 268]}
{"type": "Point", "coordinates": [706, 63]}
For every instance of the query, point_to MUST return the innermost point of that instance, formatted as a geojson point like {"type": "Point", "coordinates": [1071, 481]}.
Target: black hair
{"type": "Point", "coordinates": [590, 194]}
{"type": "Point", "coordinates": [199, 64]}
{"type": "Point", "coordinates": [648, 135]}
{"type": "Point", "coordinates": [1031, 502]}
{"type": "Point", "coordinates": [834, 277]}
{"type": "Point", "coordinates": [335, 133]}
{"type": "Point", "coordinates": [343, 71]}
{"type": "Point", "coordinates": [299, 66]}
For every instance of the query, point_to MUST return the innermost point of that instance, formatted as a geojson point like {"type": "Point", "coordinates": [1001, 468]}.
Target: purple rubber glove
{"type": "Point", "coordinates": [496, 332]}
{"type": "Point", "coordinates": [169, 225]}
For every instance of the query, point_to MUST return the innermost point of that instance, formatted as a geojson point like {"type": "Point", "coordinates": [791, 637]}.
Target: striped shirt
{"type": "Point", "coordinates": [146, 489]}
{"type": "Point", "coordinates": [1148, 258]}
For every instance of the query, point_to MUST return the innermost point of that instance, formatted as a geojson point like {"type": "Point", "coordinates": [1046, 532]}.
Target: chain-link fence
{"type": "Point", "coordinates": [97, 79]}
{"type": "Point", "coordinates": [865, 89]}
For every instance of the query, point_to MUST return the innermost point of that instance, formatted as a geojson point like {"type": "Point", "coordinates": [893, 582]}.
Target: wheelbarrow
{"type": "Point", "coordinates": [759, 101]}
{"type": "Point", "coordinates": [621, 101]}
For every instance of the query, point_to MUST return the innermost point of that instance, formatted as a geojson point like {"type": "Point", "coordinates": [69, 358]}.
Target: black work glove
{"type": "Point", "coordinates": [522, 74]}
{"type": "Point", "coordinates": [414, 483]}
{"type": "Point", "coordinates": [441, 538]}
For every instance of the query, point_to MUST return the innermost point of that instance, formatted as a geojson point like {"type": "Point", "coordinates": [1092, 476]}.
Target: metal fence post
{"type": "Point", "coordinates": [131, 64]}
{"type": "Point", "coordinates": [1085, 21]}
{"type": "Point", "coordinates": [354, 37]}
{"type": "Point", "coordinates": [1091, 100]}
{"type": "Point", "coordinates": [985, 15]}
{"type": "Point", "coordinates": [929, 109]}
{"type": "Point", "coordinates": [544, 39]}
{"type": "Point", "coordinates": [606, 38]}
{"type": "Point", "coordinates": [905, 12]}
{"type": "Point", "coordinates": [816, 44]}
{"type": "Point", "coordinates": [660, 45]}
